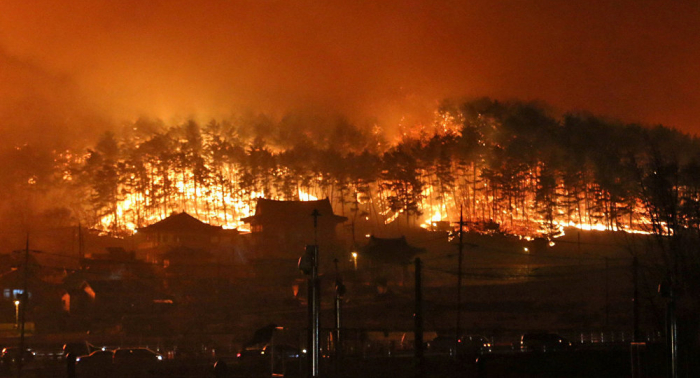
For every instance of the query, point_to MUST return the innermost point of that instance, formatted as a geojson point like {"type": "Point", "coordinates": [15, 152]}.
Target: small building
{"type": "Point", "coordinates": [115, 264]}
{"type": "Point", "coordinates": [13, 278]}
{"type": "Point", "coordinates": [40, 299]}
{"type": "Point", "coordinates": [97, 303]}
{"type": "Point", "coordinates": [388, 258]}
{"type": "Point", "coordinates": [281, 229]}
{"type": "Point", "coordinates": [392, 251]}
{"type": "Point", "coordinates": [181, 230]}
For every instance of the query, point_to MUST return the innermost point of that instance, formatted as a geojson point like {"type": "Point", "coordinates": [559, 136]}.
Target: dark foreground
{"type": "Point", "coordinates": [608, 362]}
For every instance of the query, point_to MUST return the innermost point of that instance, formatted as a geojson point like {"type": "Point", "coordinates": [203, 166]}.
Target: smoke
{"type": "Point", "coordinates": [41, 107]}
{"type": "Point", "coordinates": [68, 70]}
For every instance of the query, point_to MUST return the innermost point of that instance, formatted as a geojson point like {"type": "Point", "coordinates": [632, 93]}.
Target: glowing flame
{"type": "Point", "coordinates": [196, 200]}
{"type": "Point", "coordinates": [226, 209]}
{"type": "Point", "coordinates": [303, 196]}
{"type": "Point", "coordinates": [487, 207]}
{"type": "Point", "coordinates": [431, 222]}
{"type": "Point", "coordinates": [392, 217]}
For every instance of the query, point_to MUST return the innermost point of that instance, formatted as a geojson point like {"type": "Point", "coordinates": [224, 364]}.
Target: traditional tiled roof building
{"type": "Point", "coordinates": [284, 228]}
{"type": "Point", "coordinates": [181, 230]}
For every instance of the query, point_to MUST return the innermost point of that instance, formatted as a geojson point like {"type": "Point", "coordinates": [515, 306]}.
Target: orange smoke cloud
{"type": "Point", "coordinates": [71, 65]}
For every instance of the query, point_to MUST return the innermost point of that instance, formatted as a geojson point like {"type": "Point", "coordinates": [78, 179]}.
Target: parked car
{"type": "Point", "coordinates": [81, 348]}
{"type": "Point", "coordinates": [543, 342]}
{"type": "Point", "coordinates": [12, 355]}
{"type": "Point", "coordinates": [95, 364]}
{"type": "Point", "coordinates": [281, 351]}
{"type": "Point", "coordinates": [136, 362]}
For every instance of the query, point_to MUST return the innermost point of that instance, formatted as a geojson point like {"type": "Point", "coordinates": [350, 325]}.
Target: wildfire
{"type": "Point", "coordinates": [420, 179]}
{"type": "Point", "coordinates": [438, 210]}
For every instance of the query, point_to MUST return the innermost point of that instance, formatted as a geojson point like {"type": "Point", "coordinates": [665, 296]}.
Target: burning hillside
{"type": "Point", "coordinates": [510, 167]}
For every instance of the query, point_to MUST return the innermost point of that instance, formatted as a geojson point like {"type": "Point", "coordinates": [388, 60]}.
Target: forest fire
{"type": "Point", "coordinates": [532, 181]}
{"type": "Point", "coordinates": [227, 210]}
{"type": "Point", "coordinates": [148, 146]}
{"type": "Point", "coordinates": [508, 167]}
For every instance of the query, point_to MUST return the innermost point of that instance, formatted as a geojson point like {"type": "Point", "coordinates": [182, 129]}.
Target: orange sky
{"type": "Point", "coordinates": [67, 66]}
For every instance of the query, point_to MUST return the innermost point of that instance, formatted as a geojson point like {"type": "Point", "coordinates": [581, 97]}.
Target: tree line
{"type": "Point", "coordinates": [510, 166]}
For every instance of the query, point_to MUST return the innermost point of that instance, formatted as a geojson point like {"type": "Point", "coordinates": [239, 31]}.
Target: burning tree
{"type": "Point", "coordinates": [508, 164]}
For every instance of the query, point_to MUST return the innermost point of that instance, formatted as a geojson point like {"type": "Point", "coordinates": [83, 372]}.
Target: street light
{"type": "Point", "coordinates": [354, 259]}
{"type": "Point", "coordinates": [17, 314]}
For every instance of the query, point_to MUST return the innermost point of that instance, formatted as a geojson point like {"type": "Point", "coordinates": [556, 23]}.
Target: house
{"type": "Point", "coordinates": [389, 251]}
{"type": "Point", "coordinates": [115, 264]}
{"type": "Point", "coordinates": [96, 303]}
{"type": "Point", "coordinates": [40, 299]}
{"type": "Point", "coordinates": [388, 259]}
{"type": "Point", "coordinates": [181, 230]}
{"type": "Point", "coordinates": [13, 279]}
{"type": "Point", "coordinates": [281, 229]}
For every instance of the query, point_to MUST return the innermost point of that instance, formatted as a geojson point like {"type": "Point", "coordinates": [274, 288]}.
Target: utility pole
{"type": "Point", "coordinates": [418, 318]}
{"type": "Point", "coordinates": [666, 289]}
{"type": "Point", "coordinates": [607, 293]}
{"type": "Point", "coordinates": [339, 292]}
{"type": "Point", "coordinates": [306, 264]}
{"type": "Point", "coordinates": [635, 299]}
{"type": "Point", "coordinates": [459, 282]}
{"type": "Point", "coordinates": [316, 307]}
{"type": "Point", "coordinates": [23, 308]}
{"type": "Point", "coordinates": [672, 334]}
{"type": "Point", "coordinates": [458, 328]}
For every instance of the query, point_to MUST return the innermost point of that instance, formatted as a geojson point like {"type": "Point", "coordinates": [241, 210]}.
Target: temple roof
{"type": "Point", "coordinates": [180, 223]}
{"type": "Point", "coordinates": [272, 211]}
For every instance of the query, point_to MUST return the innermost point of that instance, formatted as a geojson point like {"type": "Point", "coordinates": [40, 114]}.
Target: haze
{"type": "Point", "coordinates": [70, 68]}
